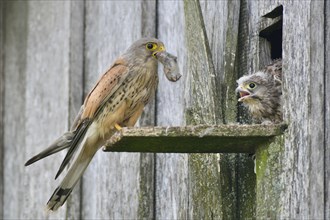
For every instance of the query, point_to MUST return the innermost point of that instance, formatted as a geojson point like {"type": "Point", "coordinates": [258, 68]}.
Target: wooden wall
{"type": "Point", "coordinates": [52, 52]}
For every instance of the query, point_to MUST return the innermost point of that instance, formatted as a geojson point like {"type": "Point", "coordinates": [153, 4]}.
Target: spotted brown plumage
{"type": "Point", "coordinates": [117, 99]}
{"type": "Point", "coordinates": [261, 93]}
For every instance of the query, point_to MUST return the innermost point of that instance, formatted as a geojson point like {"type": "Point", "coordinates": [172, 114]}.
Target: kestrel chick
{"type": "Point", "coordinates": [261, 93]}
{"type": "Point", "coordinates": [116, 100]}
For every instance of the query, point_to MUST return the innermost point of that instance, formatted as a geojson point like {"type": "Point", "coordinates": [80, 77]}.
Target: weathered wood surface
{"type": "Point", "coordinates": [303, 85]}
{"type": "Point", "coordinates": [36, 102]}
{"type": "Point", "coordinates": [2, 85]}
{"type": "Point", "coordinates": [171, 178]}
{"type": "Point", "coordinates": [212, 47]}
{"type": "Point", "coordinates": [76, 86]}
{"type": "Point", "coordinates": [202, 107]}
{"type": "Point", "coordinates": [194, 139]}
{"type": "Point", "coordinates": [242, 164]}
{"type": "Point", "coordinates": [327, 112]}
{"type": "Point", "coordinates": [224, 36]}
{"type": "Point", "coordinates": [299, 177]}
{"type": "Point", "coordinates": [268, 159]}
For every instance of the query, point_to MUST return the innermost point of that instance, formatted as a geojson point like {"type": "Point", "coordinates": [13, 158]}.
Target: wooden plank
{"type": "Point", "coordinates": [36, 98]}
{"type": "Point", "coordinates": [76, 58]}
{"type": "Point", "coordinates": [303, 51]}
{"type": "Point", "coordinates": [245, 182]}
{"type": "Point", "coordinates": [297, 185]}
{"type": "Point", "coordinates": [171, 169]}
{"type": "Point", "coordinates": [146, 206]}
{"type": "Point", "coordinates": [317, 114]}
{"type": "Point", "coordinates": [111, 184]}
{"type": "Point", "coordinates": [204, 106]}
{"type": "Point", "coordinates": [194, 139]}
{"type": "Point", "coordinates": [14, 103]}
{"type": "Point", "coordinates": [2, 102]}
{"type": "Point", "coordinates": [222, 27]}
{"type": "Point", "coordinates": [268, 159]}
{"type": "Point", "coordinates": [327, 112]}
{"type": "Point", "coordinates": [47, 98]}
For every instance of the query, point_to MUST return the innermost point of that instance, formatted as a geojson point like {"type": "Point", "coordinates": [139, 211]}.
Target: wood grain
{"type": "Point", "coordinates": [203, 107]}
{"type": "Point", "coordinates": [195, 139]}
{"type": "Point", "coordinates": [76, 84]}
{"type": "Point", "coordinates": [2, 102]}
{"type": "Point", "coordinates": [303, 53]}
{"type": "Point", "coordinates": [327, 113]}
{"type": "Point", "coordinates": [36, 97]}
{"type": "Point", "coordinates": [171, 169]}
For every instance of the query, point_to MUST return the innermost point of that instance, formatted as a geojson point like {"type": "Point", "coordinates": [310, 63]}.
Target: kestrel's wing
{"type": "Point", "coordinates": [275, 69]}
{"type": "Point", "coordinates": [94, 102]}
{"type": "Point", "coordinates": [102, 91]}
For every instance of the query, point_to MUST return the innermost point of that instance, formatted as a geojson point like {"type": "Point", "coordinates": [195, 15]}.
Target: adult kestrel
{"type": "Point", "coordinates": [117, 100]}
{"type": "Point", "coordinates": [261, 93]}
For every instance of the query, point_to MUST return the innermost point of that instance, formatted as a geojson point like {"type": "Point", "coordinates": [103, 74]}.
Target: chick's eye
{"type": "Point", "coordinates": [151, 46]}
{"type": "Point", "coordinates": [252, 85]}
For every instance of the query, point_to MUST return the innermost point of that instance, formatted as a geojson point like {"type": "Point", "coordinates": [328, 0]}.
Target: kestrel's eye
{"type": "Point", "coordinates": [151, 46]}
{"type": "Point", "coordinates": [252, 85]}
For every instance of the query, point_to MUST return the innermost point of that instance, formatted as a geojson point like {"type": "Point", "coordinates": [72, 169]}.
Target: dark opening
{"type": "Point", "coordinates": [278, 11]}
{"type": "Point", "coordinates": [273, 33]}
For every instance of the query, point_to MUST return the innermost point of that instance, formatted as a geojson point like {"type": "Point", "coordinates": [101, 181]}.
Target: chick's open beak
{"type": "Point", "coordinates": [242, 93]}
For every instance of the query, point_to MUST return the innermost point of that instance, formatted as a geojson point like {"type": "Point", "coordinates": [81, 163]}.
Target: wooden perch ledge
{"type": "Point", "coordinates": [194, 139]}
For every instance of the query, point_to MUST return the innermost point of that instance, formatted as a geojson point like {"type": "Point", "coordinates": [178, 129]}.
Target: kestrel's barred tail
{"type": "Point", "coordinates": [58, 198]}
{"type": "Point", "coordinates": [63, 191]}
{"type": "Point", "coordinates": [87, 148]}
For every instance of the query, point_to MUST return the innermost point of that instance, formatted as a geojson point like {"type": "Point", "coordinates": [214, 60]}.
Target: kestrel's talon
{"type": "Point", "coordinates": [118, 127]}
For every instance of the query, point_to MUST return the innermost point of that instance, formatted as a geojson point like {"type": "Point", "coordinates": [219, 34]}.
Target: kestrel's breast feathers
{"type": "Point", "coordinates": [102, 91]}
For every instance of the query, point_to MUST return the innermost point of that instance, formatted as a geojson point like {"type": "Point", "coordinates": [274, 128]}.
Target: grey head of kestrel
{"type": "Point", "coordinates": [261, 93]}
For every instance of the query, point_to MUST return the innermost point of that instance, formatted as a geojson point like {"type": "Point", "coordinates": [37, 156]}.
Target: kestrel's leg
{"type": "Point", "coordinates": [133, 119]}
{"type": "Point", "coordinates": [118, 127]}
{"type": "Point", "coordinates": [129, 123]}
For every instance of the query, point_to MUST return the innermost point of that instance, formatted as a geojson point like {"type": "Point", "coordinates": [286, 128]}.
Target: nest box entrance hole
{"type": "Point", "coordinates": [273, 32]}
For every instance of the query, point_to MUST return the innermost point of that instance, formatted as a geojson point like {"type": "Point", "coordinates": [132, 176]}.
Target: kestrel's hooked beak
{"type": "Point", "coordinates": [161, 48]}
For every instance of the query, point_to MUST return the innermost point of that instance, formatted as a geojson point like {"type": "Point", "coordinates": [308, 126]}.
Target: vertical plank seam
{"type": "Point", "coordinates": [311, 210]}
{"type": "Point", "coordinates": [82, 93]}
{"type": "Point", "coordinates": [154, 194]}
{"type": "Point", "coordinates": [325, 110]}
{"type": "Point", "coordinates": [69, 89]}
{"type": "Point", "coordinates": [2, 95]}
{"type": "Point", "coordinates": [156, 30]}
